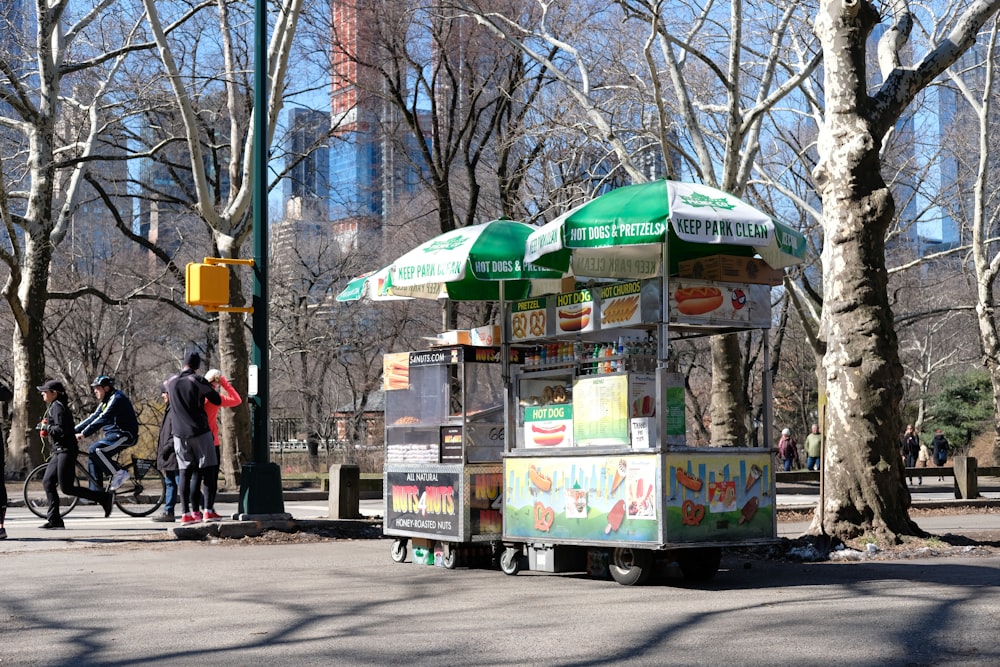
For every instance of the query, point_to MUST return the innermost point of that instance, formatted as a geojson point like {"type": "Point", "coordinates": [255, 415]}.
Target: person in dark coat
{"type": "Point", "coordinates": [57, 427]}
{"type": "Point", "coordinates": [940, 445]}
{"type": "Point", "coordinates": [193, 441]}
{"type": "Point", "coordinates": [6, 395]}
{"type": "Point", "coordinates": [166, 461]}
{"type": "Point", "coordinates": [114, 415]}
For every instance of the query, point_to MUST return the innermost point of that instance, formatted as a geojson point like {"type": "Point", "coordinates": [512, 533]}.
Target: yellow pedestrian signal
{"type": "Point", "coordinates": [207, 285]}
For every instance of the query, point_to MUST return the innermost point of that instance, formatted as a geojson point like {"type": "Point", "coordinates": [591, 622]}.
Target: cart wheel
{"type": "Point", "coordinates": [510, 561]}
{"type": "Point", "coordinates": [398, 551]}
{"type": "Point", "coordinates": [699, 564]}
{"type": "Point", "coordinates": [630, 566]}
{"type": "Point", "coordinates": [450, 557]}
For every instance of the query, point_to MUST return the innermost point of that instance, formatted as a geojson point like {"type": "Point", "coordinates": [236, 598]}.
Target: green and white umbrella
{"type": "Point", "coordinates": [619, 234]}
{"type": "Point", "coordinates": [470, 264]}
{"type": "Point", "coordinates": [374, 285]}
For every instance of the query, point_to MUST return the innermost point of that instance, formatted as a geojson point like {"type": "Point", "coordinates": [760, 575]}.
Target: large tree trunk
{"type": "Point", "coordinates": [28, 349]}
{"type": "Point", "coordinates": [237, 443]}
{"type": "Point", "coordinates": [864, 490]}
{"type": "Point", "coordinates": [729, 411]}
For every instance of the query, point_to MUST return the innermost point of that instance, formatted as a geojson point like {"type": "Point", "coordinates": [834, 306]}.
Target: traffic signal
{"type": "Point", "coordinates": [207, 285]}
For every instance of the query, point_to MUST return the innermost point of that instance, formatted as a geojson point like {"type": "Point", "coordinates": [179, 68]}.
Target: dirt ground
{"type": "Point", "coordinates": [981, 543]}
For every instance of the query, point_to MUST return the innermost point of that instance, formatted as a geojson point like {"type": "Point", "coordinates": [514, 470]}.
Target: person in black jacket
{"type": "Point", "coordinates": [116, 416]}
{"type": "Point", "coordinates": [940, 445]}
{"type": "Point", "coordinates": [166, 461]}
{"type": "Point", "coordinates": [57, 427]}
{"type": "Point", "coordinates": [193, 440]}
{"type": "Point", "coordinates": [6, 395]}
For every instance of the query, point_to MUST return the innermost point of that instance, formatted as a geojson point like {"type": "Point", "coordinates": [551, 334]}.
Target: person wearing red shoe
{"type": "Point", "coordinates": [230, 399]}
{"type": "Point", "coordinates": [187, 392]}
{"type": "Point", "coordinates": [57, 427]}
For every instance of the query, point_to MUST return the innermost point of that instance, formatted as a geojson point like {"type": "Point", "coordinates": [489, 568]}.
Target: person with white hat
{"type": "Point", "coordinates": [788, 449]}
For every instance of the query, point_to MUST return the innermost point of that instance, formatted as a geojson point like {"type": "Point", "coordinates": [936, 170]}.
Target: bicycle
{"type": "Point", "coordinates": [141, 494]}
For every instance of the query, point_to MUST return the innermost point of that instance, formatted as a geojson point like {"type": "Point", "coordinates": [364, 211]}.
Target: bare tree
{"type": "Point", "coordinates": [55, 87]}
{"type": "Point", "coordinates": [695, 105]}
{"type": "Point", "coordinates": [865, 490]}
{"type": "Point", "coordinates": [227, 211]}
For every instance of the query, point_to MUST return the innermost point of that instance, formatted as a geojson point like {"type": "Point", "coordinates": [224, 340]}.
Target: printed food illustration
{"type": "Point", "coordinates": [528, 324]}
{"type": "Point", "coordinates": [541, 481]}
{"type": "Point", "coordinates": [620, 310]}
{"type": "Point", "coordinates": [544, 516]}
{"type": "Point", "coordinates": [519, 325]}
{"type": "Point", "coordinates": [689, 482]}
{"type": "Point", "coordinates": [397, 375]}
{"type": "Point", "coordinates": [615, 517]}
{"type": "Point", "coordinates": [643, 407]}
{"type": "Point", "coordinates": [574, 318]}
{"type": "Point", "coordinates": [698, 300]}
{"type": "Point", "coordinates": [620, 471]}
{"type": "Point", "coordinates": [548, 436]}
{"type": "Point", "coordinates": [749, 510]}
{"type": "Point", "coordinates": [752, 477]}
{"type": "Point", "coordinates": [692, 513]}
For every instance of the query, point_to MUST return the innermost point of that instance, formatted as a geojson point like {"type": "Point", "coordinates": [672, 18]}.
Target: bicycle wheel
{"type": "Point", "coordinates": [34, 494]}
{"type": "Point", "coordinates": [144, 491]}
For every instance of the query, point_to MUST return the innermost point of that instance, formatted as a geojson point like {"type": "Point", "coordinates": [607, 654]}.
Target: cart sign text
{"type": "Point", "coordinates": [423, 501]}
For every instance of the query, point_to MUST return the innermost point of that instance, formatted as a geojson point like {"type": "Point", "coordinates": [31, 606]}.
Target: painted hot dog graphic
{"type": "Point", "coordinates": [687, 481]}
{"type": "Point", "coordinates": [548, 436]}
{"type": "Point", "coordinates": [574, 318]}
{"type": "Point", "coordinates": [541, 481]}
{"type": "Point", "coordinates": [698, 300]}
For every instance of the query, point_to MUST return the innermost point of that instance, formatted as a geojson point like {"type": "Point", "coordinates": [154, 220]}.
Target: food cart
{"type": "Point", "coordinates": [444, 436]}
{"type": "Point", "coordinates": [597, 473]}
{"type": "Point", "coordinates": [597, 477]}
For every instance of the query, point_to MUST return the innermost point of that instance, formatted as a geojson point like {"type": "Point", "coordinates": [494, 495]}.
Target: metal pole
{"type": "Point", "coordinates": [260, 489]}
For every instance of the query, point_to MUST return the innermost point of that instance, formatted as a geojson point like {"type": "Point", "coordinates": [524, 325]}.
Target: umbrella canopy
{"type": "Point", "coordinates": [470, 263]}
{"type": "Point", "coordinates": [375, 285]}
{"type": "Point", "coordinates": [634, 220]}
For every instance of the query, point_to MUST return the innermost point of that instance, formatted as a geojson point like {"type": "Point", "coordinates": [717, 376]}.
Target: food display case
{"type": "Point", "coordinates": [444, 435]}
{"type": "Point", "coordinates": [598, 475]}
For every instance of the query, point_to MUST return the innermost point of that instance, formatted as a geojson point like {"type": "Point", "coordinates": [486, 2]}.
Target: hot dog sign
{"type": "Point", "coordinates": [695, 300]}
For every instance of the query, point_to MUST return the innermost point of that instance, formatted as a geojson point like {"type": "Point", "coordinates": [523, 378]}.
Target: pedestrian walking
{"type": "Point", "coordinates": [193, 443]}
{"type": "Point", "coordinates": [814, 449]}
{"type": "Point", "coordinates": [6, 396]}
{"type": "Point", "coordinates": [940, 446]}
{"type": "Point", "coordinates": [230, 399]}
{"type": "Point", "coordinates": [57, 427]}
{"type": "Point", "coordinates": [166, 461]}
{"type": "Point", "coordinates": [923, 458]}
{"type": "Point", "coordinates": [788, 450]}
{"type": "Point", "coordinates": [909, 448]}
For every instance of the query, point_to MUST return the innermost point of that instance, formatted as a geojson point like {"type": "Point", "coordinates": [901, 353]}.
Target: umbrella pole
{"type": "Point", "coordinates": [508, 386]}
{"type": "Point", "coordinates": [662, 348]}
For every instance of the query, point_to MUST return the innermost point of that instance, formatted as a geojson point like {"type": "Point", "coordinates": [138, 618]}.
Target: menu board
{"type": "Point", "coordinates": [601, 410]}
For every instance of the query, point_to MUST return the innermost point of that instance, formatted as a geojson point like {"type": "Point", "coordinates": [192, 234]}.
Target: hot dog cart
{"type": "Point", "coordinates": [444, 436]}
{"type": "Point", "coordinates": [596, 474]}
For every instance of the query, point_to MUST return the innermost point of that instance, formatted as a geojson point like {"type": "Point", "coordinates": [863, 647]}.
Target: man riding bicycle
{"type": "Point", "coordinates": [115, 414]}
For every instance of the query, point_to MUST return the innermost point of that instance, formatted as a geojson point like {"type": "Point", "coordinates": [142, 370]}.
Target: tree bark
{"type": "Point", "coordinates": [729, 411]}
{"type": "Point", "coordinates": [864, 489]}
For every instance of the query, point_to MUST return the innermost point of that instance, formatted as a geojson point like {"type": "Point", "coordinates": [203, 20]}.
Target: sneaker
{"type": "Point", "coordinates": [120, 478]}
{"type": "Point", "coordinates": [3, 533]}
{"type": "Point", "coordinates": [189, 518]}
{"type": "Point", "coordinates": [109, 499]}
{"type": "Point", "coordinates": [197, 515]}
{"type": "Point", "coordinates": [166, 517]}
{"type": "Point", "coordinates": [211, 515]}
{"type": "Point", "coordinates": [48, 525]}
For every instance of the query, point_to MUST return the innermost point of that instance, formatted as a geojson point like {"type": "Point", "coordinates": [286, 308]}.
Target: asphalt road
{"type": "Point", "coordinates": [347, 603]}
{"type": "Point", "coordinates": [121, 591]}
